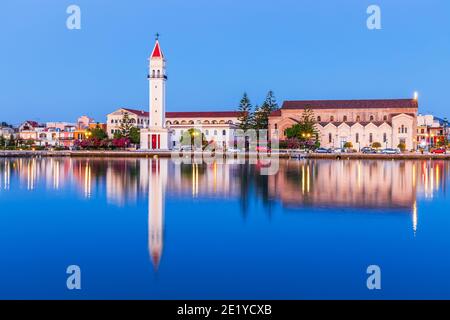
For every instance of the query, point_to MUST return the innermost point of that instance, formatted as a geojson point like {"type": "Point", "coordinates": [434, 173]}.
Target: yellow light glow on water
{"type": "Point", "coordinates": [87, 180]}
{"type": "Point", "coordinates": [303, 178]}
{"type": "Point", "coordinates": [307, 179]}
{"type": "Point", "coordinates": [437, 177]}
{"type": "Point", "coordinates": [194, 180]}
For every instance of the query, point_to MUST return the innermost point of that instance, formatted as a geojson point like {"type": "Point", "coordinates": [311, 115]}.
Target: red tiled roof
{"type": "Point", "coordinates": [350, 104]}
{"type": "Point", "coordinates": [203, 114]}
{"type": "Point", "coordinates": [137, 112]}
{"type": "Point", "coordinates": [275, 113]}
{"type": "Point", "coordinates": [190, 114]}
{"type": "Point", "coordinates": [32, 123]}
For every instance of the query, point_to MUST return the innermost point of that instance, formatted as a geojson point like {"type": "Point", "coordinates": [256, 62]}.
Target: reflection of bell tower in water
{"type": "Point", "coordinates": [156, 197]}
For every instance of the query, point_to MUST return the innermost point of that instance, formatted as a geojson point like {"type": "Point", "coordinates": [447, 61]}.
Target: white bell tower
{"type": "Point", "coordinates": [157, 136]}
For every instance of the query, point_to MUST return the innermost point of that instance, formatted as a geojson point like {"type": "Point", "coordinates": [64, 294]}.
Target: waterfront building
{"type": "Point", "coordinates": [6, 132]}
{"type": "Point", "coordinates": [161, 130]}
{"type": "Point", "coordinates": [29, 130]}
{"type": "Point", "coordinates": [431, 131]}
{"type": "Point", "coordinates": [57, 133]}
{"type": "Point", "coordinates": [137, 118]}
{"type": "Point", "coordinates": [361, 122]}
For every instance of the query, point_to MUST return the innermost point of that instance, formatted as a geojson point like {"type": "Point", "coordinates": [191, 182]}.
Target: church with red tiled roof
{"type": "Point", "coordinates": [390, 122]}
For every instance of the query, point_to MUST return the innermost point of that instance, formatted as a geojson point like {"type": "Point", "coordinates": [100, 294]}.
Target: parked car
{"type": "Point", "coordinates": [390, 151]}
{"type": "Point", "coordinates": [368, 150]}
{"type": "Point", "coordinates": [439, 150]}
{"type": "Point", "coordinates": [337, 150]}
{"type": "Point", "coordinates": [323, 150]}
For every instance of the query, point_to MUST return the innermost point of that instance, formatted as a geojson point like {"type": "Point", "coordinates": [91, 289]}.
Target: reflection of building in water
{"type": "Point", "coordinates": [430, 176]}
{"type": "Point", "coordinates": [157, 173]}
{"type": "Point", "coordinates": [206, 180]}
{"type": "Point", "coordinates": [359, 184]}
{"type": "Point", "coordinates": [6, 168]}
{"type": "Point", "coordinates": [122, 179]}
{"type": "Point", "coordinates": [368, 184]}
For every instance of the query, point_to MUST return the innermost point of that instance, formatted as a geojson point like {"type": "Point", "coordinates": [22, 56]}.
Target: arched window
{"type": "Point", "coordinates": [206, 122]}
{"type": "Point", "coordinates": [319, 119]}
{"type": "Point", "coordinates": [330, 138]}
{"type": "Point", "coordinates": [159, 73]}
{"type": "Point", "coordinates": [370, 137]}
{"type": "Point", "coordinates": [331, 119]}
{"type": "Point", "coordinates": [222, 122]}
{"type": "Point", "coordinates": [215, 132]}
{"type": "Point", "coordinates": [214, 122]}
{"type": "Point", "coordinates": [371, 118]}
{"type": "Point", "coordinates": [357, 138]}
{"type": "Point", "coordinates": [345, 119]}
{"type": "Point", "coordinates": [276, 126]}
{"type": "Point", "coordinates": [358, 118]}
{"type": "Point", "coordinates": [224, 132]}
{"type": "Point", "coordinates": [207, 132]}
{"type": "Point", "coordinates": [176, 122]}
{"type": "Point", "coordinates": [384, 137]}
{"type": "Point", "coordinates": [153, 73]}
{"type": "Point", "coordinates": [191, 121]}
{"type": "Point", "coordinates": [384, 118]}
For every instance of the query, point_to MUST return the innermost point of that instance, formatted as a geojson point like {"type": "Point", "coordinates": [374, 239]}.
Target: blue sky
{"type": "Point", "coordinates": [216, 50]}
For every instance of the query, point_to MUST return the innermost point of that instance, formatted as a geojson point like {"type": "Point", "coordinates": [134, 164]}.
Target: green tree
{"type": "Point", "coordinates": [402, 146]}
{"type": "Point", "coordinates": [125, 126]}
{"type": "Point", "coordinates": [261, 117]}
{"type": "Point", "coordinates": [98, 133]}
{"type": "Point", "coordinates": [376, 145]}
{"type": "Point", "coordinates": [2, 142]}
{"type": "Point", "coordinates": [135, 135]}
{"type": "Point", "coordinates": [245, 113]}
{"type": "Point", "coordinates": [348, 145]}
{"type": "Point", "coordinates": [305, 129]}
{"type": "Point", "coordinates": [192, 137]}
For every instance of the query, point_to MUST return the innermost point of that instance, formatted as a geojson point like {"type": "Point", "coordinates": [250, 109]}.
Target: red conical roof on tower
{"type": "Point", "coordinates": [157, 53]}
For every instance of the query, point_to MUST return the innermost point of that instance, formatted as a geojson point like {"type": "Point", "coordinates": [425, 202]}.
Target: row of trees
{"type": "Point", "coordinates": [258, 117]}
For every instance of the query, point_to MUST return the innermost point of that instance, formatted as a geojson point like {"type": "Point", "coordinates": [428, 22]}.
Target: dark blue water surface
{"type": "Point", "coordinates": [153, 229]}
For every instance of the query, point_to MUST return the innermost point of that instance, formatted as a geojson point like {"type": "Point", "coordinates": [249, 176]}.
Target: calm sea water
{"type": "Point", "coordinates": [152, 229]}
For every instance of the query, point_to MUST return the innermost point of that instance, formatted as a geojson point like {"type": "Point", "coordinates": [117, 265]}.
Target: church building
{"type": "Point", "coordinates": [361, 122]}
